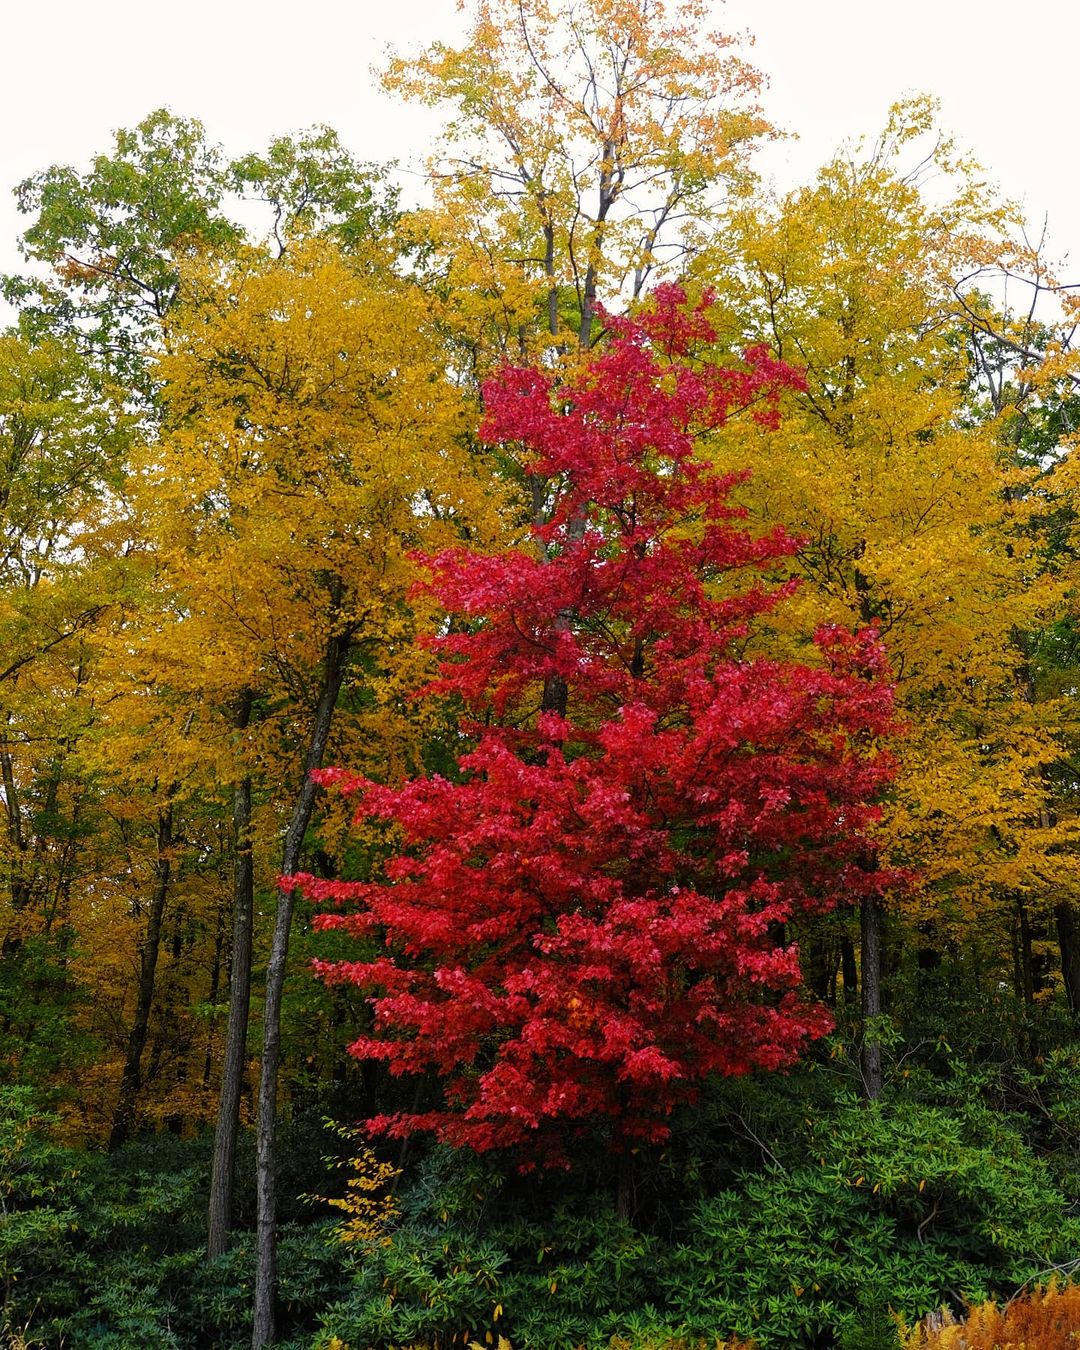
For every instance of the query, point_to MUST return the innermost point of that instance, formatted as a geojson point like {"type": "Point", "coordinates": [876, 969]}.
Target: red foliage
{"type": "Point", "coordinates": [589, 922]}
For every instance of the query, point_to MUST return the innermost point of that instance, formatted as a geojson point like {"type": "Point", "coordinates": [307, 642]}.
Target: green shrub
{"type": "Point", "coordinates": [925, 1204]}
{"type": "Point", "coordinates": [874, 1210]}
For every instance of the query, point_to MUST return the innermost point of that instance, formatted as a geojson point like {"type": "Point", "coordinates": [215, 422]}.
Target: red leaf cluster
{"type": "Point", "coordinates": [588, 922]}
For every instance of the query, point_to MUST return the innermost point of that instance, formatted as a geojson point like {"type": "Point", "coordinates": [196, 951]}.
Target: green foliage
{"type": "Point", "coordinates": [109, 1251]}
{"type": "Point", "coordinates": [917, 1201]}
{"type": "Point", "coordinates": [471, 1257]}
{"type": "Point", "coordinates": [38, 1042]}
{"type": "Point", "coordinates": [311, 182]}
{"type": "Point", "coordinates": [862, 1211]}
{"type": "Point", "coordinates": [36, 1214]}
{"type": "Point", "coordinates": [115, 233]}
{"type": "Point", "coordinates": [874, 1327]}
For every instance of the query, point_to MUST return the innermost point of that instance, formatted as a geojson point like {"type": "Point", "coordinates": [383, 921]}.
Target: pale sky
{"type": "Point", "coordinates": [251, 69]}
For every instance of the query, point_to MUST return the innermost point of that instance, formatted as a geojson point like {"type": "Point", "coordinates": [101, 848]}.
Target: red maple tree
{"type": "Point", "coordinates": [589, 920]}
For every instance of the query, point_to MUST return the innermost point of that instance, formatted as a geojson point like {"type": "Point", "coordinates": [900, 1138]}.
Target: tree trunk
{"type": "Point", "coordinates": [820, 967]}
{"type": "Point", "coordinates": [19, 846]}
{"type": "Point", "coordinates": [870, 926]}
{"type": "Point", "coordinates": [264, 1323]}
{"type": "Point", "coordinates": [1027, 964]}
{"type": "Point", "coordinates": [1031, 975]}
{"type": "Point", "coordinates": [849, 971]}
{"type": "Point", "coordinates": [1068, 932]}
{"type": "Point", "coordinates": [232, 1073]}
{"type": "Point", "coordinates": [131, 1078]}
{"type": "Point", "coordinates": [212, 998]}
{"type": "Point", "coordinates": [624, 1189]}
{"type": "Point", "coordinates": [549, 272]}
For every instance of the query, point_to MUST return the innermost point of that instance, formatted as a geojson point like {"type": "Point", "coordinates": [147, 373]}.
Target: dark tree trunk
{"type": "Point", "coordinates": [1032, 974]}
{"type": "Point", "coordinates": [1027, 964]}
{"type": "Point", "coordinates": [849, 970]}
{"type": "Point", "coordinates": [928, 959]}
{"type": "Point", "coordinates": [18, 879]}
{"type": "Point", "coordinates": [549, 271]}
{"type": "Point", "coordinates": [820, 967]}
{"type": "Point", "coordinates": [624, 1189]}
{"type": "Point", "coordinates": [236, 1027]}
{"type": "Point", "coordinates": [212, 998]}
{"type": "Point", "coordinates": [1068, 933]}
{"type": "Point", "coordinates": [870, 926]}
{"type": "Point", "coordinates": [264, 1322]}
{"type": "Point", "coordinates": [131, 1078]}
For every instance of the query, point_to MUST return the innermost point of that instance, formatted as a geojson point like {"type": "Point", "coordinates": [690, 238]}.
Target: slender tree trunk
{"type": "Point", "coordinates": [849, 970]}
{"type": "Point", "coordinates": [1031, 976]}
{"type": "Point", "coordinates": [820, 966]}
{"type": "Point", "coordinates": [264, 1322]}
{"type": "Point", "coordinates": [624, 1188]}
{"type": "Point", "coordinates": [1068, 933]}
{"type": "Point", "coordinates": [588, 308]}
{"type": "Point", "coordinates": [1018, 971]}
{"type": "Point", "coordinates": [549, 272]}
{"type": "Point", "coordinates": [927, 953]}
{"type": "Point", "coordinates": [131, 1078]}
{"type": "Point", "coordinates": [1027, 965]}
{"type": "Point", "coordinates": [236, 1027]}
{"type": "Point", "coordinates": [870, 926]}
{"type": "Point", "coordinates": [870, 910]}
{"type": "Point", "coordinates": [212, 998]}
{"type": "Point", "coordinates": [19, 847]}
{"type": "Point", "coordinates": [608, 187]}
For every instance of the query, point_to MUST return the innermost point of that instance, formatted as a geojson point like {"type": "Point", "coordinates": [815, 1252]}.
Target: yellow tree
{"type": "Point", "coordinates": [1028, 367]}
{"type": "Point", "coordinates": [62, 435]}
{"type": "Point", "coordinates": [311, 441]}
{"type": "Point", "coordinates": [148, 911]}
{"type": "Point", "coordinates": [910, 514]}
{"type": "Point", "coordinates": [588, 146]}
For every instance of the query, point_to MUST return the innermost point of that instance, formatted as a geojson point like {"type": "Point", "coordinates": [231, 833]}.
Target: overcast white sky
{"type": "Point", "coordinates": [253, 68]}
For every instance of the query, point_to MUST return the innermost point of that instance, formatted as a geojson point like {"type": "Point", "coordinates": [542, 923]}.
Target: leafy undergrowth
{"type": "Point", "coordinates": [858, 1217]}
{"type": "Point", "coordinates": [617, 1344]}
{"type": "Point", "coordinates": [1046, 1319]}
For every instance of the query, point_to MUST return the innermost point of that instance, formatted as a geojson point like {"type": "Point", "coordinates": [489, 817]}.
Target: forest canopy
{"type": "Point", "coordinates": [538, 730]}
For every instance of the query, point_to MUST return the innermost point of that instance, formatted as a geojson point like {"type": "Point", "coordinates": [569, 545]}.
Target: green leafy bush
{"type": "Point", "coordinates": [575, 1281]}
{"type": "Point", "coordinates": [37, 1216]}
{"type": "Point", "coordinates": [913, 1200]}
{"type": "Point", "coordinates": [818, 1220]}
{"type": "Point", "coordinates": [866, 1211]}
{"type": "Point", "coordinates": [108, 1251]}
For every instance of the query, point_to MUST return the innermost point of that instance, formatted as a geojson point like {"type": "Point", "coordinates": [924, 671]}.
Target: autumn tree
{"type": "Point", "coordinates": [114, 237]}
{"type": "Point", "coordinates": [911, 514]}
{"type": "Point", "coordinates": [62, 442]}
{"type": "Point", "coordinates": [310, 443]}
{"type": "Point", "coordinates": [149, 918]}
{"type": "Point", "coordinates": [1026, 382]}
{"type": "Point", "coordinates": [587, 148]}
{"type": "Point", "coordinates": [586, 921]}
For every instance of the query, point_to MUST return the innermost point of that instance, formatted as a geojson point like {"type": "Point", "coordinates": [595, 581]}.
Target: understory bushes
{"type": "Point", "coordinates": [108, 1251]}
{"type": "Point", "coordinates": [787, 1213]}
{"type": "Point", "coordinates": [873, 1211]}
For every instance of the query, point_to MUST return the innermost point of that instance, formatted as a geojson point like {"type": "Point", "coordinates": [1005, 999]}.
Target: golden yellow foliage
{"type": "Point", "coordinates": [586, 148]}
{"type": "Point", "coordinates": [310, 441]}
{"type": "Point", "coordinates": [369, 1205]}
{"type": "Point", "coordinates": [911, 516]}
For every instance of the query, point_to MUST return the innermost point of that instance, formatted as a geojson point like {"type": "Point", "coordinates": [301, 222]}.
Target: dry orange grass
{"type": "Point", "coordinates": [1045, 1319]}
